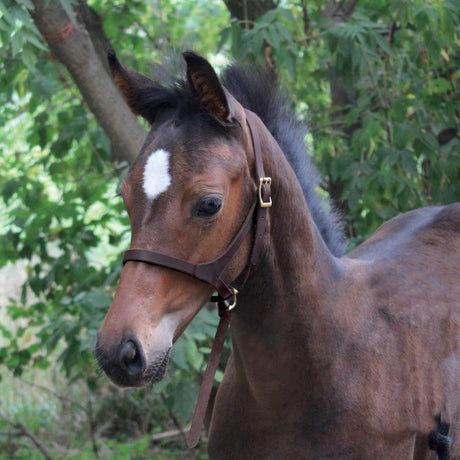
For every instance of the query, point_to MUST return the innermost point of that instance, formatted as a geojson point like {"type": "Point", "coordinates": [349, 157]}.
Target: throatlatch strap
{"type": "Point", "coordinates": [264, 193]}
{"type": "Point", "coordinates": [208, 378]}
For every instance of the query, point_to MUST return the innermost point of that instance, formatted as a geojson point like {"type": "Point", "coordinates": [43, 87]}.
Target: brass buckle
{"type": "Point", "coordinates": [262, 181]}
{"type": "Point", "coordinates": [232, 305]}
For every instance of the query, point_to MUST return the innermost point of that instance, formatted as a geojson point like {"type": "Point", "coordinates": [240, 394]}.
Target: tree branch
{"type": "Point", "coordinates": [76, 51]}
{"type": "Point", "coordinates": [25, 432]}
{"type": "Point", "coordinates": [21, 430]}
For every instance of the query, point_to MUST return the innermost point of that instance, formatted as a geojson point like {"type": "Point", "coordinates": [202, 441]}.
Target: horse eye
{"type": "Point", "coordinates": [207, 206]}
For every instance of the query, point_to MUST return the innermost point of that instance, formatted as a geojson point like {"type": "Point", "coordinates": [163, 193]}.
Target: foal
{"type": "Point", "coordinates": [337, 357]}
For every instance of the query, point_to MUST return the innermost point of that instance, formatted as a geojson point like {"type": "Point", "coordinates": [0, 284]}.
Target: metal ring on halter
{"type": "Point", "coordinates": [227, 304]}
{"type": "Point", "coordinates": [232, 299]}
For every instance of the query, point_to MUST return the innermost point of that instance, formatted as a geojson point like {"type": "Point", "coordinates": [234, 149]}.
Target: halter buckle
{"type": "Point", "coordinates": [262, 182]}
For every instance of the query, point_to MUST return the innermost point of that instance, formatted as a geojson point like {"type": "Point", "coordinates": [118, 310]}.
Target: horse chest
{"type": "Point", "coordinates": [284, 425]}
{"type": "Point", "coordinates": [351, 416]}
{"type": "Point", "coordinates": [283, 439]}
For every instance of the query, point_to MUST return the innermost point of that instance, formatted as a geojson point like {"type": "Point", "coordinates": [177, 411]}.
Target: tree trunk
{"type": "Point", "coordinates": [335, 10]}
{"type": "Point", "coordinates": [71, 44]}
{"type": "Point", "coordinates": [249, 10]}
{"type": "Point", "coordinates": [339, 11]}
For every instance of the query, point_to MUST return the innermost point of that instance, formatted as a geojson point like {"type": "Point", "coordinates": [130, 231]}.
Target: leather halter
{"type": "Point", "coordinates": [212, 272]}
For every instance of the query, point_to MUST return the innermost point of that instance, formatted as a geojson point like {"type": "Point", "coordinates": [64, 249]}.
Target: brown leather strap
{"type": "Point", "coordinates": [208, 378]}
{"type": "Point", "coordinates": [264, 192]}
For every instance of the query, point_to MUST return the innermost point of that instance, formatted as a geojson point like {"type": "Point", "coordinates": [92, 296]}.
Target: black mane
{"type": "Point", "coordinates": [260, 93]}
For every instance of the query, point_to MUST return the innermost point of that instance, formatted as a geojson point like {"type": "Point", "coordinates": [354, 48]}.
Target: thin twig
{"type": "Point", "coordinates": [92, 426]}
{"type": "Point", "coordinates": [168, 434]}
{"type": "Point", "coordinates": [306, 18]}
{"type": "Point", "coordinates": [23, 431]}
{"type": "Point", "coordinates": [22, 428]}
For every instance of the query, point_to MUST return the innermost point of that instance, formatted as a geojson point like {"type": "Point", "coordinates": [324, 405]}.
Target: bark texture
{"type": "Point", "coordinates": [89, 72]}
{"type": "Point", "coordinates": [249, 10]}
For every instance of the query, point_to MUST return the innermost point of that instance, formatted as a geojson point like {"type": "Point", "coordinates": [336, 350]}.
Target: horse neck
{"type": "Point", "coordinates": [291, 283]}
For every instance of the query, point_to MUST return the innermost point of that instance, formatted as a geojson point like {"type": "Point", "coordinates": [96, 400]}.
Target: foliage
{"type": "Point", "coordinates": [391, 144]}
{"type": "Point", "coordinates": [405, 88]}
{"type": "Point", "coordinates": [61, 213]}
{"type": "Point", "coordinates": [274, 28]}
{"type": "Point", "coordinates": [86, 422]}
{"type": "Point", "coordinates": [143, 32]}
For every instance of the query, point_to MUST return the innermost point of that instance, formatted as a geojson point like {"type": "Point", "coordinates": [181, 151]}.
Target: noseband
{"type": "Point", "coordinates": [212, 272]}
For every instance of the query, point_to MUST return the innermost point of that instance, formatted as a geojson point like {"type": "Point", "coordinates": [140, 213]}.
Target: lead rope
{"type": "Point", "coordinates": [207, 383]}
{"type": "Point", "coordinates": [208, 377]}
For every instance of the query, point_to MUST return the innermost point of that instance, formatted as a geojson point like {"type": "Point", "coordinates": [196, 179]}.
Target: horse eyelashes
{"type": "Point", "coordinates": [207, 206]}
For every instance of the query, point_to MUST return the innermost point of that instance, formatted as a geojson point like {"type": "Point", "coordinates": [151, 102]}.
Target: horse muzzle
{"type": "Point", "coordinates": [126, 364]}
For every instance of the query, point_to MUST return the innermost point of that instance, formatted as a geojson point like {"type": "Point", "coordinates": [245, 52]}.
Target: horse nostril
{"type": "Point", "coordinates": [131, 356]}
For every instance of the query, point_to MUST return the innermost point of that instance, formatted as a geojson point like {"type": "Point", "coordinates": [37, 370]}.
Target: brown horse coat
{"type": "Point", "coordinates": [347, 357]}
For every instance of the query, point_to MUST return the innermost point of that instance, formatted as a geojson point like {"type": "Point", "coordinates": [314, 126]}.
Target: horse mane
{"type": "Point", "coordinates": [259, 91]}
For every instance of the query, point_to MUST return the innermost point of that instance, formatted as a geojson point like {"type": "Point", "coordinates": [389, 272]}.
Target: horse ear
{"type": "Point", "coordinates": [138, 90]}
{"type": "Point", "coordinates": [206, 86]}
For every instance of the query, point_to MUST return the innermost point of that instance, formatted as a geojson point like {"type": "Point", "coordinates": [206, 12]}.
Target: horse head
{"type": "Point", "coordinates": [187, 195]}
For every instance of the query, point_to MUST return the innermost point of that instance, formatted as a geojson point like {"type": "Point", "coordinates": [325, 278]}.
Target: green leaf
{"type": "Point", "coordinates": [185, 397]}
{"type": "Point", "coordinates": [179, 354]}
{"type": "Point", "coordinates": [272, 37]}
{"type": "Point", "coordinates": [409, 163]}
{"type": "Point", "coordinates": [29, 58]}
{"type": "Point", "coordinates": [17, 40]}
{"type": "Point", "coordinates": [194, 357]}
{"type": "Point", "coordinates": [267, 17]}
{"type": "Point", "coordinates": [286, 14]}
{"type": "Point", "coordinates": [402, 135]}
{"type": "Point", "coordinates": [10, 188]}
{"type": "Point", "coordinates": [289, 62]}
{"type": "Point", "coordinates": [383, 43]}
{"type": "Point", "coordinates": [224, 37]}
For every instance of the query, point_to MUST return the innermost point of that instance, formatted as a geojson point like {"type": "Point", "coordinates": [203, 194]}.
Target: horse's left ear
{"type": "Point", "coordinates": [143, 96]}
{"type": "Point", "coordinates": [207, 88]}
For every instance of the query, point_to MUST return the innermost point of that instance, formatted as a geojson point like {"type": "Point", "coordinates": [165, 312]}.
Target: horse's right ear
{"type": "Point", "coordinates": [139, 91]}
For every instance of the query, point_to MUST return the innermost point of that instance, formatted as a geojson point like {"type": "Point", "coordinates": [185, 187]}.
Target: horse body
{"type": "Point", "coordinates": [347, 357]}
{"type": "Point", "coordinates": [356, 370]}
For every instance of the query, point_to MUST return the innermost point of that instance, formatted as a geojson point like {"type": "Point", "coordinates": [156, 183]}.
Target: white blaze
{"type": "Point", "coordinates": [156, 174]}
